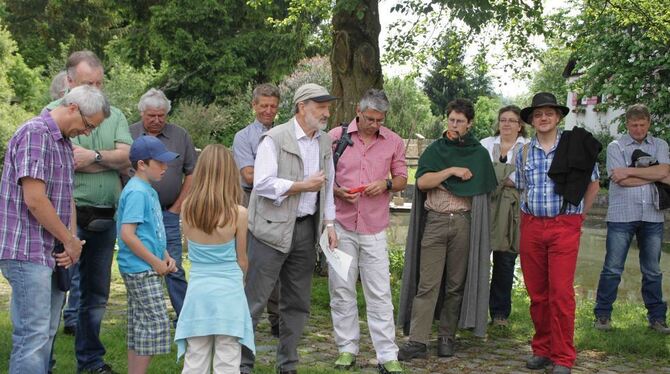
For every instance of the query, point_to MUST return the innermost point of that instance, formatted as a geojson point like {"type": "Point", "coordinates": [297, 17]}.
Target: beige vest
{"type": "Point", "coordinates": [273, 224]}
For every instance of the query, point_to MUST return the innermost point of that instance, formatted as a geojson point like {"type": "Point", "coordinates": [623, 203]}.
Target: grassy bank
{"type": "Point", "coordinates": [630, 339]}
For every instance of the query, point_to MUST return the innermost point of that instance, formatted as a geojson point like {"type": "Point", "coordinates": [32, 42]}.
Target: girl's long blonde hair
{"type": "Point", "coordinates": [215, 191]}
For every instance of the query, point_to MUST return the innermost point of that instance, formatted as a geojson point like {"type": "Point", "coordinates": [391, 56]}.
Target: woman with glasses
{"type": "Point", "coordinates": [509, 139]}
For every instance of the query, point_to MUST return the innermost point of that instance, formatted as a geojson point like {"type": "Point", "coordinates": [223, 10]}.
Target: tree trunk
{"type": "Point", "coordinates": [355, 56]}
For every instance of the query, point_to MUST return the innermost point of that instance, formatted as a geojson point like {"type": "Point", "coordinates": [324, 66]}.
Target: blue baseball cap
{"type": "Point", "coordinates": [148, 147]}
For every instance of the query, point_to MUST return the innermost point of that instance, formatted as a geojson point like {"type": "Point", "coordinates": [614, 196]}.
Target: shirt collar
{"type": "Point", "coordinates": [55, 132]}
{"type": "Point", "coordinates": [299, 133]}
{"type": "Point", "coordinates": [628, 140]}
{"type": "Point", "coordinates": [535, 143]}
{"type": "Point", "coordinates": [164, 133]}
{"type": "Point", "coordinates": [259, 126]}
{"type": "Point", "coordinates": [519, 139]}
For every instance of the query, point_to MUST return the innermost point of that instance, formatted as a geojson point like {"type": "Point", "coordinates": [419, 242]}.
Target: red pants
{"type": "Point", "coordinates": [548, 252]}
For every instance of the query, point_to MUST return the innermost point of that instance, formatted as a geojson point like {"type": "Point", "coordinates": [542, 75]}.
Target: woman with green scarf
{"type": "Point", "coordinates": [447, 254]}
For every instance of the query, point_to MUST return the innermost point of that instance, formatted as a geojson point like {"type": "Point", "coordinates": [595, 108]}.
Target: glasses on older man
{"type": "Point", "coordinates": [87, 125]}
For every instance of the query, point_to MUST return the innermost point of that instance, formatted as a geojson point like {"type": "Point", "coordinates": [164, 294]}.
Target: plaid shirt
{"type": "Point", "coordinates": [630, 204]}
{"type": "Point", "coordinates": [37, 150]}
{"type": "Point", "coordinates": [538, 197]}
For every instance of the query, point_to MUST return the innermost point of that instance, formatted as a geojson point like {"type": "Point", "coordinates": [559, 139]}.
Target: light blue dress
{"type": "Point", "coordinates": [215, 302]}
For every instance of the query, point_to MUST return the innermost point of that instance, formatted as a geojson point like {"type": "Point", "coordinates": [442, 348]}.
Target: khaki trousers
{"type": "Point", "coordinates": [444, 248]}
{"type": "Point", "coordinates": [223, 350]}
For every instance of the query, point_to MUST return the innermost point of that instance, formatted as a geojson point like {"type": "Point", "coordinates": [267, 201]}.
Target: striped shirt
{"type": "Point", "coordinates": [100, 189]}
{"type": "Point", "coordinates": [630, 204]}
{"type": "Point", "coordinates": [539, 198]}
{"type": "Point", "coordinates": [37, 150]}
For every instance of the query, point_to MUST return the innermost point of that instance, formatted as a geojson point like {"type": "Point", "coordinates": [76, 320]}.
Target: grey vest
{"type": "Point", "coordinates": [273, 224]}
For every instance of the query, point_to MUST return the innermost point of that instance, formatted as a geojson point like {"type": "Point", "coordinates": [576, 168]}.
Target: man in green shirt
{"type": "Point", "coordinates": [99, 159]}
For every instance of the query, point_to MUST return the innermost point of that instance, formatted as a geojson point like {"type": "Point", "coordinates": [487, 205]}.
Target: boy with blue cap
{"type": "Point", "coordinates": [142, 256]}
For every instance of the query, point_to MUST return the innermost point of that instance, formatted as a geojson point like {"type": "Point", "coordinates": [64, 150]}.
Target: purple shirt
{"type": "Point", "coordinates": [37, 150]}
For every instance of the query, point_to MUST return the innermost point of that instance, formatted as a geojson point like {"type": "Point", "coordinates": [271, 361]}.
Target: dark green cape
{"type": "Point", "coordinates": [464, 152]}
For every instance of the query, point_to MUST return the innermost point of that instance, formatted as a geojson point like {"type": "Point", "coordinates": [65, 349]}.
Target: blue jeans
{"type": "Point", "coordinates": [35, 311]}
{"type": "Point", "coordinates": [176, 282]}
{"type": "Point", "coordinates": [95, 271]}
{"type": "Point", "coordinates": [502, 279]}
{"type": "Point", "coordinates": [649, 236]}
{"type": "Point", "coordinates": [72, 306]}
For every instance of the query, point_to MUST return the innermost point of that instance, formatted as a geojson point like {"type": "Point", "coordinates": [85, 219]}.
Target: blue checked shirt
{"type": "Point", "coordinates": [537, 196]}
{"type": "Point", "coordinates": [630, 204]}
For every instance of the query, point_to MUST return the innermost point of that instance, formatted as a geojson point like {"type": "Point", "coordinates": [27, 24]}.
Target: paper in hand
{"type": "Point", "coordinates": [339, 260]}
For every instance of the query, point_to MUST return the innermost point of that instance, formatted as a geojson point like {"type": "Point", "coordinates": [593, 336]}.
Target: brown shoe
{"type": "Point", "coordinates": [445, 346]}
{"type": "Point", "coordinates": [500, 322]}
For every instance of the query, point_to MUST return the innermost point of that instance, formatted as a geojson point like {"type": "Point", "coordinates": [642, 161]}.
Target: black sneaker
{"type": "Point", "coordinates": [538, 362]}
{"type": "Point", "coordinates": [104, 369]}
{"type": "Point", "coordinates": [412, 350]}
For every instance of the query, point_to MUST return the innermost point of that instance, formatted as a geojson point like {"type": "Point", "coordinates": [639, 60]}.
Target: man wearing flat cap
{"type": "Point", "coordinates": [558, 178]}
{"type": "Point", "coordinates": [291, 203]}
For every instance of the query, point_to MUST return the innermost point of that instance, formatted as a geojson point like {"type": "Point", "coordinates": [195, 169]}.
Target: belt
{"type": "Point", "coordinates": [300, 219]}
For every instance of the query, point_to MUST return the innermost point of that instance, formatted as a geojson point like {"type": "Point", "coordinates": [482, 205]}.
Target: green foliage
{"type": "Point", "coordinates": [42, 27]}
{"type": "Point", "coordinates": [417, 35]}
{"type": "Point", "coordinates": [450, 78]}
{"type": "Point", "coordinates": [605, 139]}
{"type": "Point", "coordinates": [310, 70]}
{"type": "Point", "coordinates": [550, 76]}
{"type": "Point", "coordinates": [410, 108]}
{"type": "Point", "coordinates": [624, 60]}
{"type": "Point", "coordinates": [215, 48]}
{"type": "Point", "coordinates": [125, 84]}
{"type": "Point", "coordinates": [486, 116]}
{"type": "Point", "coordinates": [216, 122]}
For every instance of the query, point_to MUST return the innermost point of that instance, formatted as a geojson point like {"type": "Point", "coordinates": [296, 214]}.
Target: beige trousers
{"type": "Point", "coordinates": [223, 351]}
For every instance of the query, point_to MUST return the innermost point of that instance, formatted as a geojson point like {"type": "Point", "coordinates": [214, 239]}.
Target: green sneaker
{"type": "Point", "coordinates": [390, 367]}
{"type": "Point", "coordinates": [345, 361]}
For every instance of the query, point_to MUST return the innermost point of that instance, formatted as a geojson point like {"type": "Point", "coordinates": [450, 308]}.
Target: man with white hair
{"type": "Point", "coordinates": [37, 206]}
{"type": "Point", "coordinates": [100, 157]}
{"type": "Point", "coordinates": [291, 203]}
{"type": "Point", "coordinates": [154, 107]}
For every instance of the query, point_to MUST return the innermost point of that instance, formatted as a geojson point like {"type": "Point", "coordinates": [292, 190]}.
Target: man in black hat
{"type": "Point", "coordinates": [551, 227]}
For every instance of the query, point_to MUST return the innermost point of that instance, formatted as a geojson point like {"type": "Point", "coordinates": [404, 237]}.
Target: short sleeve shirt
{"type": "Point", "coordinates": [37, 150]}
{"type": "Point", "coordinates": [176, 139]}
{"type": "Point", "coordinates": [245, 145]}
{"type": "Point", "coordinates": [100, 189]}
{"type": "Point", "coordinates": [630, 204]}
{"type": "Point", "coordinates": [139, 205]}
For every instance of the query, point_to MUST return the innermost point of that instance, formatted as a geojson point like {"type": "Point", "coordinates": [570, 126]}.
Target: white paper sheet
{"type": "Point", "coordinates": [339, 260]}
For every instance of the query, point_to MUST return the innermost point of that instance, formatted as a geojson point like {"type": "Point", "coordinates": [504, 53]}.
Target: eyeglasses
{"type": "Point", "coordinates": [509, 120]}
{"type": "Point", "coordinates": [373, 120]}
{"type": "Point", "coordinates": [87, 125]}
{"type": "Point", "coordinates": [457, 122]}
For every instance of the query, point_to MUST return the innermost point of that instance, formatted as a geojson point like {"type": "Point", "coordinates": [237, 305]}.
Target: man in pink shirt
{"type": "Point", "coordinates": [375, 162]}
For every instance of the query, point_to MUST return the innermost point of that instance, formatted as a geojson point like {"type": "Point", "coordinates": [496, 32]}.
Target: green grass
{"type": "Point", "coordinates": [629, 340]}
{"type": "Point", "coordinates": [411, 175]}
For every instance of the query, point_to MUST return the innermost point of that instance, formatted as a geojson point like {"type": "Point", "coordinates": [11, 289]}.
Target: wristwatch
{"type": "Point", "coordinates": [389, 185]}
{"type": "Point", "coordinates": [98, 156]}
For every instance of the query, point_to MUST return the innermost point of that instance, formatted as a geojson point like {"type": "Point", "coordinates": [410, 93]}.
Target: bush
{"type": "Point", "coordinates": [309, 70]}
{"type": "Point", "coordinates": [214, 123]}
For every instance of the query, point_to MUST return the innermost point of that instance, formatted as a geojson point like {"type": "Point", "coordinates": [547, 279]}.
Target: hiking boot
{"type": "Point", "coordinates": [538, 362]}
{"type": "Point", "coordinates": [390, 367]}
{"type": "Point", "coordinates": [104, 369]}
{"type": "Point", "coordinates": [500, 322]}
{"type": "Point", "coordinates": [602, 324]}
{"type": "Point", "coordinates": [445, 346]}
{"type": "Point", "coordinates": [412, 350]}
{"type": "Point", "coordinates": [560, 369]}
{"type": "Point", "coordinates": [660, 326]}
{"type": "Point", "coordinates": [345, 361]}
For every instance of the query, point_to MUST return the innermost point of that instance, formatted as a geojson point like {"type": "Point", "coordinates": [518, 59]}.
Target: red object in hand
{"type": "Point", "coordinates": [357, 189]}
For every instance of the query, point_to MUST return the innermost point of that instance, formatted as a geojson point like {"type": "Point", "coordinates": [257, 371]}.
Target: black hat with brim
{"type": "Point", "coordinates": [543, 99]}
